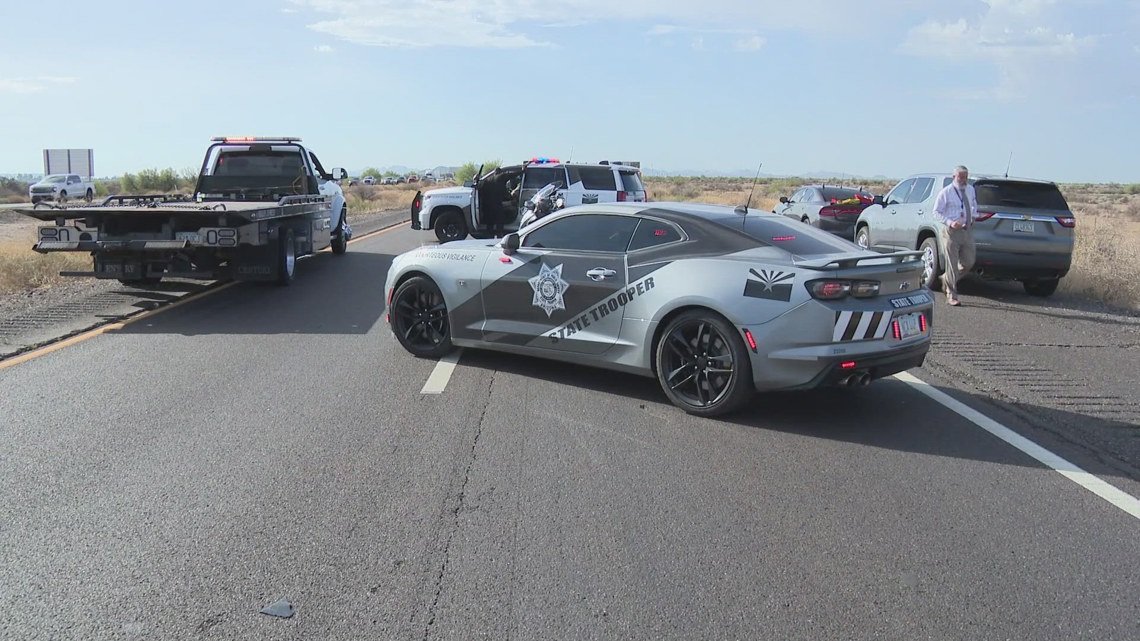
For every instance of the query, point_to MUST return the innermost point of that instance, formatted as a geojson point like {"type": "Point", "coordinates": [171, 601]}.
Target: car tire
{"type": "Point", "coordinates": [450, 227]}
{"type": "Point", "coordinates": [690, 346]}
{"type": "Point", "coordinates": [419, 318]}
{"type": "Point", "coordinates": [340, 239]}
{"type": "Point", "coordinates": [89, 196]}
{"type": "Point", "coordinates": [863, 237]}
{"type": "Point", "coordinates": [286, 257]}
{"type": "Point", "coordinates": [932, 264]}
{"type": "Point", "coordinates": [1041, 287]}
{"type": "Point", "coordinates": [62, 197]}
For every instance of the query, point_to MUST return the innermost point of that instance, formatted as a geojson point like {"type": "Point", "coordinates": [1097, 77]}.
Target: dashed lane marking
{"type": "Point", "coordinates": [437, 381]}
{"type": "Point", "coordinates": [1090, 482]}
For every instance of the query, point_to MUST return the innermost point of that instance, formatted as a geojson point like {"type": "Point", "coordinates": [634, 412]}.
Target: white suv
{"type": "Point", "coordinates": [453, 212]}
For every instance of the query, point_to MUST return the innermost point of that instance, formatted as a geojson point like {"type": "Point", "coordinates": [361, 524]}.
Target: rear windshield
{"type": "Point", "coordinates": [794, 237]}
{"type": "Point", "coordinates": [631, 181]}
{"type": "Point", "coordinates": [1008, 193]}
{"type": "Point", "coordinates": [841, 193]}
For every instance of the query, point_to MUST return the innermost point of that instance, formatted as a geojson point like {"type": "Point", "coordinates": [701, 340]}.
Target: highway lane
{"type": "Point", "coordinates": [169, 479]}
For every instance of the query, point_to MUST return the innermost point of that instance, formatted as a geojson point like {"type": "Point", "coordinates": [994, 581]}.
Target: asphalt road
{"type": "Point", "coordinates": [170, 479]}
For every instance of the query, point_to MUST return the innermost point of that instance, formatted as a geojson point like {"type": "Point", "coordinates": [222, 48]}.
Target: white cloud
{"type": "Point", "coordinates": [323, 49]}
{"type": "Point", "coordinates": [518, 23]}
{"type": "Point", "coordinates": [1019, 41]}
{"type": "Point", "coordinates": [33, 85]}
{"type": "Point", "coordinates": [750, 43]}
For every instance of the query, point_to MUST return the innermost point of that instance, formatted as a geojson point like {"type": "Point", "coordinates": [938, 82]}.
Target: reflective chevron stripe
{"type": "Point", "coordinates": [860, 326]}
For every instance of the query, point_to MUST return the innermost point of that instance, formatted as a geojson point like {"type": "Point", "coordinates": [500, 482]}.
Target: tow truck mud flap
{"type": "Point", "coordinates": [255, 263]}
{"type": "Point", "coordinates": [120, 268]}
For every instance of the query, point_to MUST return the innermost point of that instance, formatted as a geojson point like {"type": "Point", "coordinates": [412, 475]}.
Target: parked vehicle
{"type": "Point", "coordinates": [542, 204]}
{"type": "Point", "coordinates": [1024, 229]}
{"type": "Point", "coordinates": [829, 207]}
{"type": "Point", "coordinates": [369, 180]}
{"type": "Point", "coordinates": [61, 187]}
{"type": "Point", "coordinates": [454, 212]}
{"type": "Point", "coordinates": [714, 303]}
{"type": "Point", "coordinates": [258, 205]}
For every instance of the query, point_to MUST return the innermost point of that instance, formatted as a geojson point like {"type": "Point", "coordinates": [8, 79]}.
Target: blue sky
{"type": "Point", "coordinates": [866, 88]}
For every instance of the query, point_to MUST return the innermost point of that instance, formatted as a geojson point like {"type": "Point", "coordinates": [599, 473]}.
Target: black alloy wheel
{"type": "Point", "coordinates": [419, 318]}
{"type": "Point", "coordinates": [702, 364]}
{"type": "Point", "coordinates": [450, 227]}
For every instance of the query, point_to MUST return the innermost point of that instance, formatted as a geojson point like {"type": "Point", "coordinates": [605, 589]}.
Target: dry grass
{"type": "Point", "coordinates": [371, 198]}
{"type": "Point", "coordinates": [22, 269]}
{"type": "Point", "coordinates": [1106, 258]}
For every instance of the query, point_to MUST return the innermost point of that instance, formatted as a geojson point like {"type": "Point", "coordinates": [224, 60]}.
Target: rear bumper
{"type": "Point", "coordinates": [879, 366]}
{"type": "Point", "coordinates": [1004, 265]}
{"type": "Point", "coordinates": [843, 229]}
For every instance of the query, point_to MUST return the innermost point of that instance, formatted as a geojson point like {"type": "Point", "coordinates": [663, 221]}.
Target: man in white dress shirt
{"type": "Point", "coordinates": [956, 208]}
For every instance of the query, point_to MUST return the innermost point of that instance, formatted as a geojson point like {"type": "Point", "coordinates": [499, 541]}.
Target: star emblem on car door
{"type": "Point", "coordinates": [548, 289]}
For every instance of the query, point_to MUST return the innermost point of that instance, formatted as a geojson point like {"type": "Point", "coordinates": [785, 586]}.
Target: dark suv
{"type": "Point", "coordinates": [1024, 228]}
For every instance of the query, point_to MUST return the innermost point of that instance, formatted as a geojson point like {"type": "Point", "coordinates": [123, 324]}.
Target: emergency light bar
{"type": "Point", "coordinates": [542, 161]}
{"type": "Point", "coordinates": [255, 139]}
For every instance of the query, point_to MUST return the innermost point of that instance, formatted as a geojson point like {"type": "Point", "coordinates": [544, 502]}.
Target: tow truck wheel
{"type": "Point", "coordinates": [450, 227]}
{"type": "Point", "coordinates": [419, 318]}
{"type": "Point", "coordinates": [62, 196]}
{"type": "Point", "coordinates": [89, 196]}
{"type": "Point", "coordinates": [340, 239]}
{"type": "Point", "coordinates": [286, 257]}
{"type": "Point", "coordinates": [703, 365]}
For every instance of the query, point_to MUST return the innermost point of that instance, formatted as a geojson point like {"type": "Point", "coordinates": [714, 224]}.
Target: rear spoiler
{"type": "Point", "coordinates": [828, 264]}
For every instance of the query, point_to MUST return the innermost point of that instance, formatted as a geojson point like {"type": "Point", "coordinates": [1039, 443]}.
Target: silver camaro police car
{"type": "Point", "coordinates": [715, 302]}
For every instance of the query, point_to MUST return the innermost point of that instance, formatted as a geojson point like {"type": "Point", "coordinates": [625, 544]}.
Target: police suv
{"type": "Point", "coordinates": [454, 212]}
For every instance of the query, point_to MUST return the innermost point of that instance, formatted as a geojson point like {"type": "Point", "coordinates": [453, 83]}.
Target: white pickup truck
{"type": "Point", "coordinates": [60, 187]}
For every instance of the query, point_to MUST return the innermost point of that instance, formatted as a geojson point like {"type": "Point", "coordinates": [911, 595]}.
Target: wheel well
{"type": "Point", "coordinates": [439, 211]}
{"type": "Point", "coordinates": [668, 318]}
{"type": "Point", "coordinates": [408, 276]}
{"type": "Point", "coordinates": [922, 236]}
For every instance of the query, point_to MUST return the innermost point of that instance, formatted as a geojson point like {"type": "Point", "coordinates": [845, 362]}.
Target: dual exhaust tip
{"type": "Point", "coordinates": [858, 379]}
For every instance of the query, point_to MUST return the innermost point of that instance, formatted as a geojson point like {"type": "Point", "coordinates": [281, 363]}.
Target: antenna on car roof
{"type": "Point", "coordinates": [743, 209]}
{"type": "Point", "coordinates": [1009, 163]}
{"type": "Point", "coordinates": [571, 156]}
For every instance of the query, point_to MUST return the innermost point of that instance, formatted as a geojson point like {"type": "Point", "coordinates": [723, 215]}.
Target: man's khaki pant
{"type": "Point", "coordinates": [958, 250]}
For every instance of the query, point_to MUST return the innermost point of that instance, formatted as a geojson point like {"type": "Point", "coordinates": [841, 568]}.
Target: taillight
{"type": "Point", "coordinates": [835, 289]}
{"type": "Point", "coordinates": [865, 289]}
{"type": "Point", "coordinates": [829, 289]}
{"type": "Point", "coordinates": [1067, 221]}
{"type": "Point", "coordinates": [621, 196]}
{"type": "Point", "coordinates": [983, 215]}
{"type": "Point", "coordinates": [922, 323]}
{"type": "Point", "coordinates": [831, 211]}
{"type": "Point", "coordinates": [896, 330]}
{"type": "Point", "coordinates": [848, 365]}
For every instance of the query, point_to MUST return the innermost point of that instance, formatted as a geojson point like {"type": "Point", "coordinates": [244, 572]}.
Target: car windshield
{"type": "Point", "coordinates": [1008, 193]}
{"type": "Point", "coordinates": [795, 238]}
{"type": "Point", "coordinates": [58, 178]}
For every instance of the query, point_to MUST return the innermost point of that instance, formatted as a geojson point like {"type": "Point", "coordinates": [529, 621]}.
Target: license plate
{"type": "Point", "coordinates": [909, 326]}
{"type": "Point", "coordinates": [1023, 226]}
{"type": "Point", "coordinates": [191, 237]}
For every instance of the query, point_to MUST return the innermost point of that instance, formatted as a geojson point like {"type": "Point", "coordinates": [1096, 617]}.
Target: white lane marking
{"type": "Point", "coordinates": [437, 381]}
{"type": "Point", "coordinates": [1094, 484]}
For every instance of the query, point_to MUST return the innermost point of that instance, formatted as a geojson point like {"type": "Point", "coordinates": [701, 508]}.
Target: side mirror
{"type": "Point", "coordinates": [878, 200]}
{"type": "Point", "coordinates": [784, 199]}
{"type": "Point", "coordinates": [338, 173]}
{"type": "Point", "coordinates": [510, 244]}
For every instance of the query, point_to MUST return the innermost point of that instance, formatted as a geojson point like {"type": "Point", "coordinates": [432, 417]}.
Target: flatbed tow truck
{"type": "Point", "coordinates": [258, 205]}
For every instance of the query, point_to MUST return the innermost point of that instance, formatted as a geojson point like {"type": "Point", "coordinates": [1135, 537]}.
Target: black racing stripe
{"type": "Point", "coordinates": [470, 312]}
{"type": "Point", "coordinates": [638, 272]}
{"type": "Point", "coordinates": [876, 318]}
{"type": "Point", "coordinates": [852, 325]}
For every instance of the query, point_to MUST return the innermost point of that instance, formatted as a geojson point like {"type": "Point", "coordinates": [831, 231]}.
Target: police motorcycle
{"type": "Point", "coordinates": [543, 203]}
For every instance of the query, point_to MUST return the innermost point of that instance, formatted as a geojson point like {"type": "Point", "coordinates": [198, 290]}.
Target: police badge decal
{"type": "Point", "coordinates": [548, 289]}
